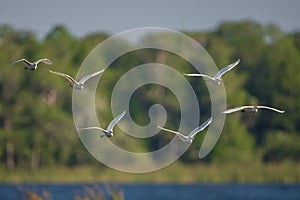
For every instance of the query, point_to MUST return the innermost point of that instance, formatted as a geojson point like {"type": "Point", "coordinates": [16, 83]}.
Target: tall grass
{"type": "Point", "coordinates": [285, 172]}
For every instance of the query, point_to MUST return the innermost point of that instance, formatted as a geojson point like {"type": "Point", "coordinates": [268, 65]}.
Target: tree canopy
{"type": "Point", "coordinates": [36, 123]}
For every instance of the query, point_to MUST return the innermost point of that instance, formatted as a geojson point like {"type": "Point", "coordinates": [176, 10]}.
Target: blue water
{"type": "Point", "coordinates": [161, 191]}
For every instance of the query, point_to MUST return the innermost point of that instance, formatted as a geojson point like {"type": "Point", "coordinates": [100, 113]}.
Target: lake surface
{"type": "Point", "coordinates": [160, 191]}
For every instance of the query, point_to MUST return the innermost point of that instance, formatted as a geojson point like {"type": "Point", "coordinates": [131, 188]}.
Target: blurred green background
{"type": "Point", "coordinates": [38, 140]}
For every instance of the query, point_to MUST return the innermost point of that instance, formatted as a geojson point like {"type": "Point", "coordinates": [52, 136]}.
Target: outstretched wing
{"type": "Point", "coordinates": [200, 75]}
{"type": "Point", "coordinates": [44, 60]}
{"type": "Point", "coordinates": [69, 78]}
{"type": "Point", "coordinates": [22, 60]}
{"type": "Point", "coordinates": [115, 121]}
{"type": "Point", "coordinates": [92, 127]}
{"type": "Point", "coordinates": [270, 108]}
{"type": "Point", "coordinates": [200, 128]}
{"type": "Point", "coordinates": [226, 69]}
{"type": "Point", "coordinates": [85, 78]}
{"type": "Point", "coordinates": [171, 131]}
{"type": "Point", "coordinates": [236, 109]}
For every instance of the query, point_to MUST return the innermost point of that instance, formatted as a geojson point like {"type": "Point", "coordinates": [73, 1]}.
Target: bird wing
{"type": "Point", "coordinates": [44, 60]}
{"type": "Point", "coordinates": [115, 121]}
{"type": "Point", "coordinates": [92, 127]}
{"type": "Point", "coordinates": [231, 110]}
{"type": "Point", "coordinates": [85, 78]}
{"type": "Point", "coordinates": [270, 108]}
{"type": "Point", "coordinates": [22, 60]}
{"type": "Point", "coordinates": [69, 78]}
{"type": "Point", "coordinates": [226, 69]}
{"type": "Point", "coordinates": [200, 128]}
{"type": "Point", "coordinates": [171, 131]}
{"type": "Point", "coordinates": [200, 75]}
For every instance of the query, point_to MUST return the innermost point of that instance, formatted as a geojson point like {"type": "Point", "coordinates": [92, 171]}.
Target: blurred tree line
{"type": "Point", "coordinates": [36, 124]}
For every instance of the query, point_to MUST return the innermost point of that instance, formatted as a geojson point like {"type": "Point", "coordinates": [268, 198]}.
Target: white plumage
{"type": "Point", "coordinates": [33, 65]}
{"type": "Point", "coordinates": [109, 131]}
{"type": "Point", "coordinates": [253, 109]}
{"type": "Point", "coordinates": [77, 84]}
{"type": "Point", "coordinates": [217, 78]}
{"type": "Point", "coordinates": [190, 137]}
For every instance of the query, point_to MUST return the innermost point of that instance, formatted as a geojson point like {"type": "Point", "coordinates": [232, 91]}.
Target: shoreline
{"type": "Point", "coordinates": [285, 173]}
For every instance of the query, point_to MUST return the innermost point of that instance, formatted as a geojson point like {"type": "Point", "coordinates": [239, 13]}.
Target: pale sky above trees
{"type": "Point", "coordinates": [82, 17]}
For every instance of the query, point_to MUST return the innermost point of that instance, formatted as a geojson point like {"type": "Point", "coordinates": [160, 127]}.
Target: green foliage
{"type": "Point", "coordinates": [282, 146]}
{"type": "Point", "coordinates": [36, 125]}
{"type": "Point", "coordinates": [236, 144]}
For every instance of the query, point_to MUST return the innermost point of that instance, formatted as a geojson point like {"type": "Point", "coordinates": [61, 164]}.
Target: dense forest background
{"type": "Point", "coordinates": [36, 123]}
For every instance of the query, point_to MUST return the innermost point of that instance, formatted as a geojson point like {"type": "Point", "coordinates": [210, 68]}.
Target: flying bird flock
{"type": "Point", "coordinates": [217, 79]}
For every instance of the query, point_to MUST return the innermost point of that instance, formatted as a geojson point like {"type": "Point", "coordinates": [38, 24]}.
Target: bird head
{"type": "Point", "coordinates": [218, 81]}
{"type": "Point", "coordinates": [254, 109]}
{"type": "Point", "coordinates": [109, 134]}
{"type": "Point", "coordinates": [79, 86]}
{"type": "Point", "coordinates": [189, 140]}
